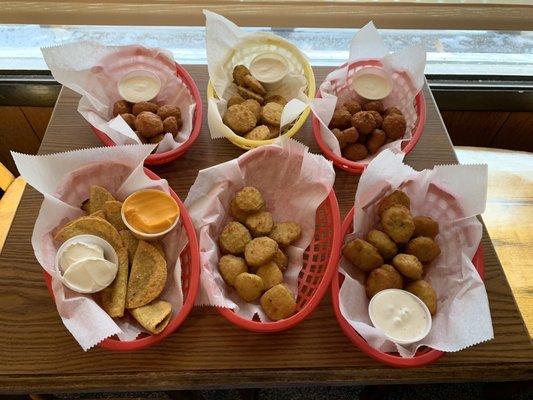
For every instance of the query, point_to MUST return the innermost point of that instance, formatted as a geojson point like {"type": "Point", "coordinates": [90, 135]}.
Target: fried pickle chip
{"type": "Point", "coordinates": [130, 242]}
{"type": "Point", "coordinates": [425, 292]}
{"type": "Point", "coordinates": [260, 251]}
{"type": "Point", "coordinates": [386, 247]}
{"type": "Point", "coordinates": [249, 199]}
{"type": "Point", "coordinates": [396, 197]}
{"type": "Point", "coordinates": [408, 265]}
{"type": "Point", "coordinates": [286, 233]}
{"type": "Point", "coordinates": [234, 237]}
{"type": "Point", "coordinates": [154, 317]}
{"type": "Point", "coordinates": [230, 267]}
{"type": "Point", "coordinates": [423, 248]}
{"type": "Point", "coordinates": [270, 274]}
{"type": "Point", "coordinates": [398, 224]}
{"type": "Point", "coordinates": [362, 255]}
{"type": "Point", "coordinates": [281, 260]}
{"type": "Point", "coordinates": [112, 214]}
{"type": "Point", "coordinates": [147, 277]}
{"type": "Point", "coordinates": [278, 302]}
{"type": "Point", "coordinates": [112, 297]}
{"type": "Point", "coordinates": [237, 213]}
{"type": "Point", "coordinates": [384, 277]}
{"type": "Point", "coordinates": [249, 286]}
{"type": "Point", "coordinates": [260, 223]}
{"type": "Point", "coordinates": [426, 226]}
{"type": "Point", "coordinates": [97, 197]}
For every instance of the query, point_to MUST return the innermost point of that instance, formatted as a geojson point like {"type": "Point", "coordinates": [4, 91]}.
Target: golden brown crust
{"type": "Point", "coordinates": [408, 265]}
{"type": "Point", "coordinates": [129, 119]}
{"type": "Point", "coordinates": [236, 99]}
{"type": "Point", "coordinates": [230, 267]}
{"type": "Point", "coordinates": [375, 105]}
{"type": "Point", "coordinates": [249, 286]}
{"type": "Point", "coordinates": [259, 251]}
{"type": "Point", "coordinates": [398, 224]}
{"type": "Point", "coordinates": [375, 140]}
{"type": "Point", "coordinates": [396, 197]}
{"type": "Point", "coordinates": [254, 85]}
{"type": "Point", "coordinates": [253, 106]}
{"type": "Point", "coordinates": [248, 94]}
{"type": "Point", "coordinates": [239, 119]}
{"type": "Point", "coordinates": [425, 226]}
{"type": "Point", "coordinates": [355, 152]}
{"type": "Point", "coordinates": [425, 292]}
{"type": "Point", "coordinates": [148, 124]}
{"type": "Point", "coordinates": [362, 255]}
{"type": "Point", "coordinates": [239, 72]}
{"type": "Point", "coordinates": [169, 111]}
{"type": "Point", "coordinates": [271, 114]}
{"type": "Point", "coordinates": [340, 118]}
{"type": "Point", "coordinates": [286, 233]}
{"type": "Point", "coordinates": [234, 238]}
{"type": "Point", "coordinates": [364, 122]}
{"type": "Point", "coordinates": [278, 303]}
{"type": "Point", "coordinates": [144, 106]}
{"type": "Point", "coordinates": [384, 277]}
{"type": "Point", "coordinates": [121, 107]}
{"type": "Point", "coordinates": [423, 248]}
{"type": "Point", "coordinates": [394, 126]}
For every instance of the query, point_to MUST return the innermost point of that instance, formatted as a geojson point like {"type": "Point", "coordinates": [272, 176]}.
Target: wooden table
{"type": "Point", "coordinates": [37, 353]}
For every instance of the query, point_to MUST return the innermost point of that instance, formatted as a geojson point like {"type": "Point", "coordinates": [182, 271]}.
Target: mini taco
{"type": "Point", "coordinates": [147, 277]}
{"type": "Point", "coordinates": [154, 317]}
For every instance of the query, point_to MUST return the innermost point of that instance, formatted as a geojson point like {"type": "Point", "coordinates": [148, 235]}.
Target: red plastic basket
{"type": "Point", "coordinates": [319, 266]}
{"type": "Point", "coordinates": [423, 356]}
{"type": "Point", "coordinates": [190, 281]}
{"type": "Point", "coordinates": [168, 156]}
{"type": "Point", "coordinates": [357, 167]}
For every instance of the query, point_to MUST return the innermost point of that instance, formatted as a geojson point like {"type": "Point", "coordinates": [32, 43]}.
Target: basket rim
{"type": "Point", "coordinates": [355, 167]}
{"type": "Point", "coordinates": [171, 155]}
{"type": "Point", "coordinates": [427, 357]}
{"type": "Point", "coordinates": [248, 144]}
{"type": "Point", "coordinates": [194, 283]}
{"type": "Point", "coordinates": [316, 298]}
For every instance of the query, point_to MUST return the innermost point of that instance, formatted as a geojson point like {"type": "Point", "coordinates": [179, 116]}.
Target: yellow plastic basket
{"type": "Point", "coordinates": [297, 61]}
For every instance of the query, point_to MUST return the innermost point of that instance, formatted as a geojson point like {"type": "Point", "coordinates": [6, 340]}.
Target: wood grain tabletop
{"type": "Point", "coordinates": [37, 353]}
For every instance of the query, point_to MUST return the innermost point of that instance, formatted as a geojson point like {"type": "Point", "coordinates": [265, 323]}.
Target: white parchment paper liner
{"type": "Point", "coordinates": [366, 45]}
{"type": "Point", "coordinates": [293, 182]}
{"type": "Point", "coordinates": [222, 37]}
{"type": "Point", "coordinates": [453, 195]}
{"type": "Point", "coordinates": [65, 179]}
{"type": "Point", "coordinates": [94, 70]}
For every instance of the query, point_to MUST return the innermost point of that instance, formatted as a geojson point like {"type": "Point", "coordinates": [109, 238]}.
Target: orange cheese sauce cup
{"type": "Point", "coordinates": [150, 213]}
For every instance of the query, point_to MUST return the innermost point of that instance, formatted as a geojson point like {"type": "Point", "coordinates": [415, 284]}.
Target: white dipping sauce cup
{"type": "Point", "coordinates": [270, 84]}
{"type": "Point", "coordinates": [109, 253]}
{"type": "Point", "coordinates": [419, 302]}
{"type": "Point", "coordinates": [139, 73]}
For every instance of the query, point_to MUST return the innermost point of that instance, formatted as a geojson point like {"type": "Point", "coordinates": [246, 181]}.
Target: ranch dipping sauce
{"type": "Point", "coordinates": [138, 86]}
{"type": "Point", "coordinates": [372, 83]}
{"type": "Point", "coordinates": [269, 68]}
{"type": "Point", "coordinates": [402, 316]}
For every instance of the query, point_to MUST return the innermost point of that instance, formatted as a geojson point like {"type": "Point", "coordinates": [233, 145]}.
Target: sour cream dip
{"type": "Point", "coordinates": [86, 263]}
{"type": "Point", "coordinates": [402, 316]}
{"type": "Point", "coordinates": [269, 68]}
{"type": "Point", "coordinates": [372, 83]}
{"type": "Point", "coordinates": [139, 85]}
